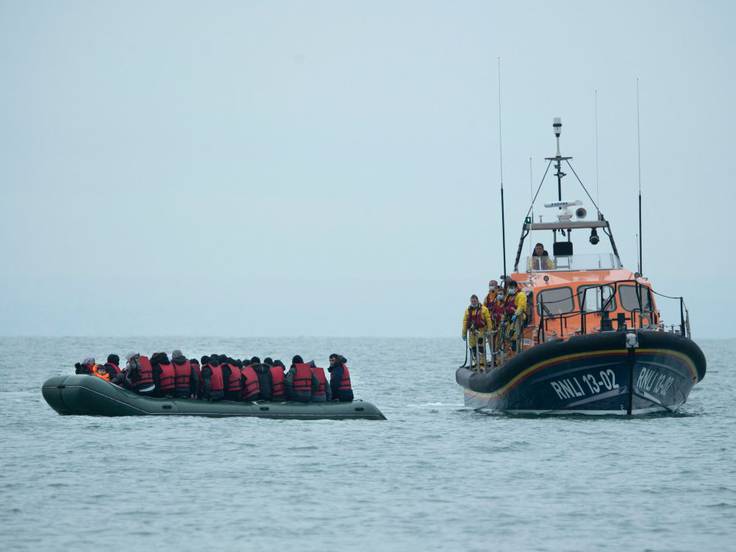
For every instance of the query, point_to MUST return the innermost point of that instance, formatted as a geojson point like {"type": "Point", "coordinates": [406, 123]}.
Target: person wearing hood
{"type": "Point", "coordinates": [340, 386]}
{"type": "Point", "coordinates": [186, 379]}
{"type": "Point", "coordinates": [213, 385]}
{"type": "Point", "coordinates": [263, 371]}
{"type": "Point", "coordinates": [164, 375]}
{"type": "Point", "coordinates": [278, 389]}
{"type": "Point", "coordinates": [138, 374]}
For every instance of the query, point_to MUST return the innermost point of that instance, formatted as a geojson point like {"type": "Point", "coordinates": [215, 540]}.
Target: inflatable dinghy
{"type": "Point", "coordinates": [84, 395]}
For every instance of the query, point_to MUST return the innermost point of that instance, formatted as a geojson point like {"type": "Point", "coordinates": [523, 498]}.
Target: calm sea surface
{"type": "Point", "coordinates": [435, 476]}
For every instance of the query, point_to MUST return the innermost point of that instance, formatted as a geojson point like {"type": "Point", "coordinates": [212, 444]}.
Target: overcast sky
{"type": "Point", "coordinates": [331, 168]}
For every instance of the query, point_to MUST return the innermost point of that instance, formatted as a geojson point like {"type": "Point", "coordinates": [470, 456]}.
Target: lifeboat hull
{"type": "Point", "coordinates": [605, 374]}
{"type": "Point", "coordinates": [92, 396]}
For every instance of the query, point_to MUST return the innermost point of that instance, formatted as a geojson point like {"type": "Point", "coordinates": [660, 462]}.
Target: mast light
{"type": "Point", "coordinates": [557, 126]}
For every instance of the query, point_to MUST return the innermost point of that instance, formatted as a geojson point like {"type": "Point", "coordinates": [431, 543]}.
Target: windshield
{"type": "Point", "coordinates": [596, 297]}
{"type": "Point", "coordinates": [592, 261]}
{"type": "Point", "coordinates": [630, 297]}
{"type": "Point", "coordinates": [555, 301]}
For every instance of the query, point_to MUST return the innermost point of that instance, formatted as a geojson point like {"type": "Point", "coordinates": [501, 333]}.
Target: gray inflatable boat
{"type": "Point", "coordinates": [91, 396]}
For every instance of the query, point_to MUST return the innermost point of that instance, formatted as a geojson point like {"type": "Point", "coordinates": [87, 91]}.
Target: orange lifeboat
{"type": "Point", "coordinates": [592, 339]}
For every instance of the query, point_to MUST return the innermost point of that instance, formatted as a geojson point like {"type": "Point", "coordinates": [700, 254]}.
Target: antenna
{"type": "Point", "coordinates": [531, 198]}
{"type": "Point", "coordinates": [500, 164]}
{"type": "Point", "coordinates": [597, 188]}
{"type": "Point", "coordinates": [638, 155]}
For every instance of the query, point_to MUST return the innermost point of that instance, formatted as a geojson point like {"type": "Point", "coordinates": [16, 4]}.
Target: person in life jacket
{"type": "Point", "coordinates": [493, 290]}
{"type": "Point", "coordinates": [300, 382]}
{"type": "Point", "coordinates": [278, 388]}
{"type": "Point", "coordinates": [516, 305]}
{"type": "Point", "coordinates": [164, 375]}
{"type": "Point", "coordinates": [500, 314]}
{"type": "Point", "coordinates": [196, 380]}
{"type": "Point", "coordinates": [341, 388]}
{"type": "Point", "coordinates": [251, 388]}
{"type": "Point", "coordinates": [231, 375]}
{"type": "Point", "coordinates": [213, 386]}
{"type": "Point", "coordinates": [186, 379]}
{"type": "Point", "coordinates": [111, 367]}
{"type": "Point", "coordinates": [477, 325]}
{"type": "Point", "coordinates": [138, 374]}
{"type": "Point", "coordinates": [263, 370]}
{"type": "Point", "coordinates": [323, 392]}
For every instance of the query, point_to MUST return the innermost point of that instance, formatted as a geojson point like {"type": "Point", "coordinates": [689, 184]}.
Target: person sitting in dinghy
{"type": "Point", "coordinates": [540, 259]}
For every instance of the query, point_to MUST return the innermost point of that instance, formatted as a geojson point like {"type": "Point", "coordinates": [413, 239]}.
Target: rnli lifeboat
{"type": "Point", "coordinates": [592, 339]}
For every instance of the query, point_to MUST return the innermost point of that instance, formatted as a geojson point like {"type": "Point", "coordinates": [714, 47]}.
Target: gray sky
{"type": "Point", "coordinates": [331, 168]}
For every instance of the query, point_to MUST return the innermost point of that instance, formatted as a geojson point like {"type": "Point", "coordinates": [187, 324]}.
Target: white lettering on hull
{"type": "Point", "coordinates": [571, 388]}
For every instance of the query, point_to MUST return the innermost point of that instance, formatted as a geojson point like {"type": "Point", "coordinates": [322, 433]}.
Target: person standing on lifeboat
{"type": "Point", "coordinates": [340, 385]}
{"type": "Point", "coordinates": [490, 299]}
{"type": "Point", "coordinates": [477, 326]}
{"type": "Point", "coordinates": [516, 302]}
{"type": "Point", "coordinates": [540, 259]}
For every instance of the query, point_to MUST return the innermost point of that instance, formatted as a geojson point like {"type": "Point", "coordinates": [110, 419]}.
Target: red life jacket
{"type": "Point", "coordinates": [251, 385]}
{"type": "Point", "coordinates": [277, 383]}
{"type": "Point", "coordinates": [183, 375]}
{"type": "Point", "coordinates": [321, 392]}
{"type": "Point", "coordinates": [233, 382]}
{"type": "Point", "coordinates": [145, 372]}
{"type": "Point", "coordinates": [216, 382]}
{"type": "Point", "coordinates": [345, 384]}
{"type": "Point", "coordinates": [475, 319]}
{"type": "Point", "coordinates": [303, 379]}
{"type": "Point", "coordinates": [115, 368]}
{"type": "Point", "coordinates": [167, 377]}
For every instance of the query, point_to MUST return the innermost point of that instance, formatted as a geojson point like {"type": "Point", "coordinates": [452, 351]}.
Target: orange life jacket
{"type": "Point", "coordinates": [96, 370]}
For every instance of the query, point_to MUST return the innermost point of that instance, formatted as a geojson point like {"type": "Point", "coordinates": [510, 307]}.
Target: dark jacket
{"type": "Point", "coordinates": [336, 374]}
{"type": "Point", "coordinates": [264, 381]}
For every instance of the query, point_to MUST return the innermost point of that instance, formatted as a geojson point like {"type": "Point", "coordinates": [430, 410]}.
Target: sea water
{"type": "Point", "coordinates": [434, 476]}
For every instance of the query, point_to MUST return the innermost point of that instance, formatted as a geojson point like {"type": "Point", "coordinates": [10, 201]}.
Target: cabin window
{"type": "Point", "coordinates": [630, 299]}
{"type": "Point", "coordinates": [596, 297]}
{"type": "Point", "coordinates": [555, 301]}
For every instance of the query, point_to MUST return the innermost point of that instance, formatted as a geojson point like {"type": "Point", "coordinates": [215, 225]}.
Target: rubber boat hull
{"type": "Point", "coordinates": [91, 396]}
{"type": "Point", "coordinates": [591, 374]}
